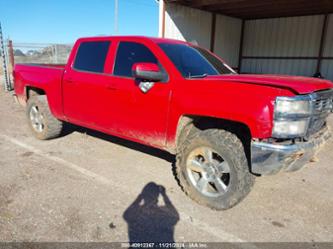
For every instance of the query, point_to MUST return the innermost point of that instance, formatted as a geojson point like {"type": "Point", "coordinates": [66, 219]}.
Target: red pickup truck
{"type": "Point", "coordinates": [224, 128]}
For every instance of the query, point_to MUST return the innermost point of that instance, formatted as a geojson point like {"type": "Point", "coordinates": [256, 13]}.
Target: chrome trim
{"type": "Point", "coordinates": [269, 158]}
{"type": "Point", "coordinates": [318, 117]}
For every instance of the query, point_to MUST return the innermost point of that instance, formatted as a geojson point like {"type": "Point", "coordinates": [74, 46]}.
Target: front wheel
{"type": "Point", "coordinates": [41, 121]}
{"type": "Point", "coordinates": [213, 170]}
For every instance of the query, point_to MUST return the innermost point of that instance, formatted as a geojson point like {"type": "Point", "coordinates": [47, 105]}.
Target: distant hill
{"type": "Point", "coordinates": [32, 53]}
{"type": "Point", "coordinates": [18, 52]}
{"type": "Point", "coordinates": [49, 54]}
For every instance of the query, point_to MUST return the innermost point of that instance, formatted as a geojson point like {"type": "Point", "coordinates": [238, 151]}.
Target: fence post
{"type": "Point", "coordinates": [56, 53]}
{"type": "Point", "coordinates": [11, 53]}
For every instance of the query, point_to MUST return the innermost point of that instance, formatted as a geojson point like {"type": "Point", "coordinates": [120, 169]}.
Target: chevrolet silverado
{"type": "Point", "coordinates": [225, 128]}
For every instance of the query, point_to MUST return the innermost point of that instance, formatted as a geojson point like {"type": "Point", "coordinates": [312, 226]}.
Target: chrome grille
{"type": "Point", "coordinates": [322, 106]}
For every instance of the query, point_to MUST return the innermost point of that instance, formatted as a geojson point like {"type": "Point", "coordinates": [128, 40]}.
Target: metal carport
{"type": "Point", "coordinates": [273, 36]}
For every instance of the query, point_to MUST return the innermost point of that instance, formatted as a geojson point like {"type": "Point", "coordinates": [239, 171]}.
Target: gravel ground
{"type": "Point", "coordinates": [85, 186]}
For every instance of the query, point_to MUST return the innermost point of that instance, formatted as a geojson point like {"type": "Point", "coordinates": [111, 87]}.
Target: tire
{"type": "Point", "coordinates": [41, 121]}
{"type": "Point", "coordinates": [212, 169]}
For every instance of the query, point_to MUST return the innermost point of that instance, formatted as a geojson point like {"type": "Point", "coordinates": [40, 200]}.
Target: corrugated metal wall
{"type": "Point", "coordinates": [193, 25]}
{"type": "Point", "coordinates": [276, 37]}
{"type": "Point", "coordinates": [291, 36]}
{"type": "Point", "coordinates": [188, 24]}
{"type": "Point", "coordinates": [327, 65]}
{"type": "Point", "coordinates": [328, 48]}
{"type": "Point", "coordinates": [287, 37]}
{"type": "Point", "coordinates": [227, 38]}
{"type": "Point", "coordinates": [274, 66]}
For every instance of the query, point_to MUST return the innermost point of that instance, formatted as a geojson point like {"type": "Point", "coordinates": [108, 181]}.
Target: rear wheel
{"type": "Point", "coordinates": [41, 121]}
{"type": "Point", "coordinates": [213, 170]}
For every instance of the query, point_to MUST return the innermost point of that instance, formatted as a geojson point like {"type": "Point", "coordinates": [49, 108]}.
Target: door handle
{"type": "Point", "coordinates": [70, 80]}
{"type": "Point", "coordinates": [111, 86]}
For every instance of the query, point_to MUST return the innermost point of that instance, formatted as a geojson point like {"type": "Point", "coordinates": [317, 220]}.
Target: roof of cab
{"type": "Point", "coordinates": [153, 39]}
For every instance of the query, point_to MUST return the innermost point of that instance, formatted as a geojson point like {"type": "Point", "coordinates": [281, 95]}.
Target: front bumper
{"type": "Point", "coordinates": [269, 158]}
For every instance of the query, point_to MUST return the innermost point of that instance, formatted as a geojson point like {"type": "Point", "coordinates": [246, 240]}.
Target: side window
{"type": "Point", "coordinates": [91, 56]}
{"type": "Point", "coordinates": [130, 53]}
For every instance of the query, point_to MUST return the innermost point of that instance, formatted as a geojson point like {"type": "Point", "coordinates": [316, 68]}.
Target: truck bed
{"type": "Point", "coordinates": [42, 76]}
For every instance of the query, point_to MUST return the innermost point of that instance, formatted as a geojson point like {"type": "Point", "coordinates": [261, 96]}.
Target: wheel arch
{"type": "Point", "coordinates": [191, 123]}
{"type": "Point", "coordinates": [54, 102]}
{"type": "Point", "coordinates": [31, 91]}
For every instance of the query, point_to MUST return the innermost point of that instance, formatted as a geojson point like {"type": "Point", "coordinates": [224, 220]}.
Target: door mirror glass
{"type": "Point", "coordinates": [147, 71]}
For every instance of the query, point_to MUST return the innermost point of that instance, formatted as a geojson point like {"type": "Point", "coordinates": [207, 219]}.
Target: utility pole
{"type": "Point", "coordinates": [116, 17]}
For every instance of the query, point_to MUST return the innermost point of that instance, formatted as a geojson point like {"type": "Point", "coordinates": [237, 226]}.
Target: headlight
{"type": "Point", "coordinates": [291, 116]}
{"type": "Point", "coordinates": [292, 106]}
{"type": "Point", "coordinates": [288, 128]}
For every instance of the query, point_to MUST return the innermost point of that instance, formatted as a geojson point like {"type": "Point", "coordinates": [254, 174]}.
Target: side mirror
{"type": "Point", "coordinates": [147, 71]}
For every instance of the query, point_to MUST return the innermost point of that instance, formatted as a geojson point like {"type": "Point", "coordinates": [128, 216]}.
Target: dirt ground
{"type": "Point", "coordinates": [86, 186]}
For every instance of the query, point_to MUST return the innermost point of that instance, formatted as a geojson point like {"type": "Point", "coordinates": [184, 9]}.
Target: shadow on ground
{"type": "Point", "coordinates": [150, 221]}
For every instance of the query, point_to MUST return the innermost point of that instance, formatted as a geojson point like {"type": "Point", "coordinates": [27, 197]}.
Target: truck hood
{"type": "Point", "coordinates": [297, 84]}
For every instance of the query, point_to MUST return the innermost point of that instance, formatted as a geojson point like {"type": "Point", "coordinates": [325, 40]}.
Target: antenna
{"type": "Point", "coordinates": [116, 17]}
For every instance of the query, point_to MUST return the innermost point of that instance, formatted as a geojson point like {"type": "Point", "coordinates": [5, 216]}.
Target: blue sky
{"type": "Point", "coordinates": [63, 21]}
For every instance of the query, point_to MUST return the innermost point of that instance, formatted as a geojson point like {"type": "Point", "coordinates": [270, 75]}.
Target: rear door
{"type": "Point", "coordinates": [85, 85]}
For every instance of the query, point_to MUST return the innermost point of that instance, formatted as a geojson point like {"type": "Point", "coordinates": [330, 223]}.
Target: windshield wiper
{"type": "Point", "coordinates": [198, 76]}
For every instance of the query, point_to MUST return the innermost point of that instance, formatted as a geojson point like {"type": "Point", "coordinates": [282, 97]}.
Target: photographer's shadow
{"type": "Point", "coordinates": [149, 222]}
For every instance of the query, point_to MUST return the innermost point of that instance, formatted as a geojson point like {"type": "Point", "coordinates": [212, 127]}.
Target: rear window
{"type": "Point", "coordinates": [91, 56]}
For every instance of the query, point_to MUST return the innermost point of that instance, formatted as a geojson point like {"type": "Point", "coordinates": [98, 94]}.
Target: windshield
{"type": "Point", "coordinates": [194, 62]}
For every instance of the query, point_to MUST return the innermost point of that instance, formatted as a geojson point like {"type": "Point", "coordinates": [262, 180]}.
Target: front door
{"type": "Point", "coordinates": [141, 116]}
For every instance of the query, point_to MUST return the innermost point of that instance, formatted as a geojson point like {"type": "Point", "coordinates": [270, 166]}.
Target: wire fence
{"type": "Point", "coordinates": [41, 53]}
{"type": "Point", "coordinates": [44, 53]}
